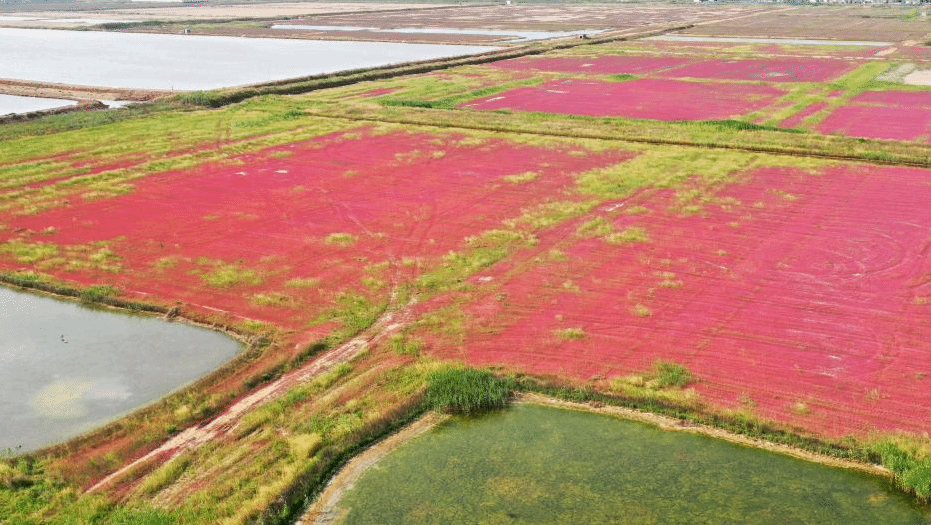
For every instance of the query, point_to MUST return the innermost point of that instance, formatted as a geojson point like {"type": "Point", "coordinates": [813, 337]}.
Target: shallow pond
{"type": "Point", "coordinates": [515, 36]}
{"type": "Point", "coordinates": [67, 368]}
{"type": "Point", "coordinates": [188, 62]}
{"type": "Point", "coordinates": [534, 464]}
{"type": "Point", "coordinates": [16, 104]}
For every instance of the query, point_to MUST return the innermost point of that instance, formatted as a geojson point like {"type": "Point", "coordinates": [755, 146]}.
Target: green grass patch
{"type": "Point", "coordinates": [570, 333]}
{"type": "Point", "coordinates": [467, 391]}
{"type": "Point", "coordinates": [912, 471]}
{"type": "Point", "coordinates": [354, 312]}
{"type": "Point", "coordinates": [404, 344]}
{"type": "Point", "coordinates": [226, 275]}
{"type": "Point", "coordinates": [303, 282]}
{"type": "Point", "coordinates": [341, 239]}
{"type": "Point", "coordinates": [671, 375]}
{"type": "Point", "coordinates": [520, 178]}
{"type": "Point", "coordinates": [166, 474]}
{"type": "Point", "coordinates": [631, 234]}
{"type": "Point", "coordinates": [740, 125]}
{"type": "Point", "coordinates": [95, 294]}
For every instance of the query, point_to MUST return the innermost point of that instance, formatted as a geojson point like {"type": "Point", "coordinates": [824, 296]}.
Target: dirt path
{"type": "Point", "coordinates": [28, 88]}
{"type": "Point", "coordinates": [194, 437]}
{"type": "Point", "coordinates": [324, 510]}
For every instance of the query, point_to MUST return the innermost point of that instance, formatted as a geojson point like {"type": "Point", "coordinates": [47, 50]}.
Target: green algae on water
{"type": "Point", "coordinates": [534, 464]}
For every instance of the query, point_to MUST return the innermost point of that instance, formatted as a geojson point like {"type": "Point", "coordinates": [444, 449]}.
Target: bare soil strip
{"type": "Point", "coordinates": [28, 88]}
{"type": "Point", "coordinates": [196, 436]}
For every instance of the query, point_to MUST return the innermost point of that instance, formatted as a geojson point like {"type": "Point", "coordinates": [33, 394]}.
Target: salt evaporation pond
{"type": "Point", "coordinates": [66, 368]}
{"type": "Point", "coordinates": [192, 62]}
{"type": "Point", "coordinates": [16, 104]}
{"type": "Point", "coordinates": [516, 35]}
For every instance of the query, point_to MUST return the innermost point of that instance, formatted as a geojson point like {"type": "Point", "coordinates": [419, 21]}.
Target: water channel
{"type": "Point", "coordinates": [66, 368]}
{"type": "Point", "coordinates": [16, 104]}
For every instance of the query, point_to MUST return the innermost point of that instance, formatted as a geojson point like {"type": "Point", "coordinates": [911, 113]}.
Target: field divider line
{"type": "Point", "coordinates": [797, 151]}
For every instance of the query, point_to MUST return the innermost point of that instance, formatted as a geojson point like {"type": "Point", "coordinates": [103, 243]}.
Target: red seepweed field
{"type": "Point", "coordinates": [521, 216]}
{"type": "Point", "coordinates": [769, 70]}
{"type": "Point", "coordinates": [893, 115]}
{"type": "Point", "coordinates": [802, 296]}
{"type": "Point", "coordinates": [277, 235]}
{"type": "Point", "coordinates": [602, 65]}
{"type": "Point", "coordinates": [655, 99]}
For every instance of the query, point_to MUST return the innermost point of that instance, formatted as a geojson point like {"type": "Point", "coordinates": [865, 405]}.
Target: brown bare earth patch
{"type": "Point", "coordinates": [28, 88]}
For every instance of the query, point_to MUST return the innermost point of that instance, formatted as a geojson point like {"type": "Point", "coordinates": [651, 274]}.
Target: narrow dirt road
{"type": "Point", "coordinates": [196, 436]}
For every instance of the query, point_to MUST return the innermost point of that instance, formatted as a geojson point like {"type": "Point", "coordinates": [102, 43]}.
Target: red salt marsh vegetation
{"type": "Point", "coordinates": [893, 115]}
{"type": "Point", "coordinates": [768, 69]}
{"type": "Point", "coordinates": [879, 122]}
{"type": "Point", "coordinates": [716, 272]}
{"type": "Point", "coordinates": [657, 99]}
{"type": "Point", "coordinates": [602, 65]}
{"type": "Point", "coordinates": [277, 234]}
{"type": "Point", "coordinates": [802, 296]}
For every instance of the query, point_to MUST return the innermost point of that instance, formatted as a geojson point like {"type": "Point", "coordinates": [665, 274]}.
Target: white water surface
{"type": "Point", "coordinates": [516, 36]}
{"type": "Point", "coordinates": [192, 62]}
{"type": "Point", "coordinates": [16, 104]}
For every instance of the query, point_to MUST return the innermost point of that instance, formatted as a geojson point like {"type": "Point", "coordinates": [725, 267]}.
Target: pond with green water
{"type": "Point", "coordinates": [535, 464]}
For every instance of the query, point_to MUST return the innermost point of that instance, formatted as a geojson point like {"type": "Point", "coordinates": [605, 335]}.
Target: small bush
{"type": "Point", "coordinates": [95, 294]}
{"type": "Point", "coordinates": [739, 125]}
{"type": "Point", "coordinates": [200, 98]}
{"type": "Point", "coordinates": [669, 374]}
{"type": "Point", "coordinates": [467, 391]}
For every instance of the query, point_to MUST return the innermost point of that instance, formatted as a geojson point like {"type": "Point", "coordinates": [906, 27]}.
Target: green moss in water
{"type": "Point", "coordinates": [534, 464]}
